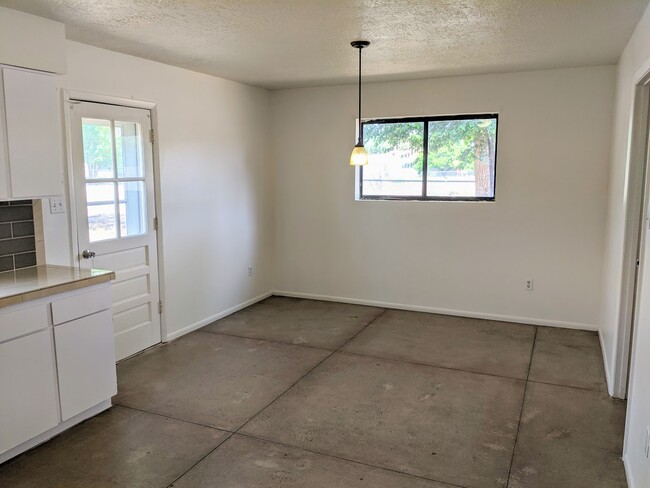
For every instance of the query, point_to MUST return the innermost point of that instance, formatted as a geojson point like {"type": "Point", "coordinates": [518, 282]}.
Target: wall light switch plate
{"type": "Point", "coordinates": [56, 205]}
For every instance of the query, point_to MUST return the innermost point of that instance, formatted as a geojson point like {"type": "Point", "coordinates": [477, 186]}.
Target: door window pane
{"type": "Point", "coordinates": [128, 150]}
{"type": "Point", "coordinates": [102, 211]}
{"type": "Point", "coordinates": [461, 160]}
{"type": "Point", "coordinates": [98, 148]}
{"type": "Point", "coordinates": [395, 157]}
{"type": "Point", "coordinates": [133, 210]}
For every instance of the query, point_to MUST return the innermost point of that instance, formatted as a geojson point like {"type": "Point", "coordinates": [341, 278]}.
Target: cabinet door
{"type": "Point", "coordinates": [28, 400]}
{"type": "Point", "coordinates": [33, 117]}
{"type": "Point", "coordinates": [85, 352]}
{"type": "Point", "coordinates": [4, 160]}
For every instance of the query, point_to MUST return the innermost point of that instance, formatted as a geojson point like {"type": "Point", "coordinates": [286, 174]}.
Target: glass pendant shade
{"type": "Point", "coordinates": [359, 156]}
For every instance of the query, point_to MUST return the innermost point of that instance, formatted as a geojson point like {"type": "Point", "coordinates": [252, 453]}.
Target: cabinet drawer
{"type": "Point", "coordinates": [85, 356]}
{"type": "Point", "coordinates": [24, 320]}
{"type": "Point", "coordinates": [80, 305]}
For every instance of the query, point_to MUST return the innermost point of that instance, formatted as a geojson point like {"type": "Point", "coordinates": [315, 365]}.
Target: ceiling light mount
{"type": "Point", "coordinates": [360, 44]}
{"type": "Point", "coordinates": [359, 155]}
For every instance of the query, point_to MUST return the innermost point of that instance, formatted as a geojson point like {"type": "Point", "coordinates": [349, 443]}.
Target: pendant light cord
{"type": "Point", "coordinates": [360, 136]}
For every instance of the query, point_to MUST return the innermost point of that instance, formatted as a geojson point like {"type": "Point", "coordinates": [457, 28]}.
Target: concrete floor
{"type": "Point", "coordinates": [301, 393]}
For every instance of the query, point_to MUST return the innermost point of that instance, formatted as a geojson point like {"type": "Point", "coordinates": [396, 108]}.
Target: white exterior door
{"type": "Point", "coordinates": [115, 213]}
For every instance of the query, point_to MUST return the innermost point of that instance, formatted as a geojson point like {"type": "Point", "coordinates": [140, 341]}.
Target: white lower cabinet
{"type": "Point", "coordinates": [54, 373]}
{"type": "Point", "coordinates": [28, 404]}
{"type": "Point", "coordinates": [85, 357]}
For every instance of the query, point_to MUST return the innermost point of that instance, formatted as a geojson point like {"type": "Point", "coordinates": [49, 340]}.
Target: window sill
{"type": "Point", "coordinates": [424, 199]}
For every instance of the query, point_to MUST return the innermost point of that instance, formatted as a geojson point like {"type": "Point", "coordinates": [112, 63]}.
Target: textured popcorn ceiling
{"type": "Point", "coordinates": [285, 43]}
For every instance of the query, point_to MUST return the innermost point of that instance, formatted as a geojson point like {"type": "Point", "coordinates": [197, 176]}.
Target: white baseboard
{"type": "Point", "coordinates": [442, 311]}
{"type": "Point", "coordinates": [608, 378]}
{"type": "Point", "coordinates": [202, 323]}
{"type": "Point", "coordinates": [628, 474]}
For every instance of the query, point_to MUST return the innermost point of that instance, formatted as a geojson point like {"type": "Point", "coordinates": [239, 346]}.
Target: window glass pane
{"type": "Point", "coordinates": [98, 148]}
{"type": "Point", "coordinates": [395, 156]}
{"type": "Point", "coordinates": [133, 210]}
{"type": "Point", "coordinates": [102, 219]}
{"type": "Point", "coordinates": [128, 149]}
{"type": "Point", "coordinates": [461, 158]}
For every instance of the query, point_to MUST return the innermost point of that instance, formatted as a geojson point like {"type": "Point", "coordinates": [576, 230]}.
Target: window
{"type": "Point", "coordinates": [115, 180]}
{"type": "Point", "coordinates": [430, 158]}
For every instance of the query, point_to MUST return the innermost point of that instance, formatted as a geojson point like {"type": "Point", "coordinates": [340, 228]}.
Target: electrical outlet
{"type": "Point", "coordinates": [529, 285]}
{"type": "Point", "coordinates": [56, 205]}
{"type": "Point", "coordinates": [250, 271]}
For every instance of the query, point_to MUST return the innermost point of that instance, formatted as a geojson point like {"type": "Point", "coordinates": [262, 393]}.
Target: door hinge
{"type": "Point", "coordinates": [160, 307]}
{"type": "Point", "coordinates": [152, 136]}
{"type": "Point", "coordinates": [155, 223]}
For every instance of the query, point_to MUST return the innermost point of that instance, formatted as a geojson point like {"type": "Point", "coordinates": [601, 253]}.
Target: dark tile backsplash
{"type": "Point", "coordinates": [5, 231]}
{"type": "Point", "coordinates": [17, 211]}
{"type": "Point", "coordinates": [25, 260]}
{"type": "Point", "coordinates": [22, 229]}
{"type": "Point", "coordinates": [17, 242]}
{"type": "Point", "coordinates": [6, 262]}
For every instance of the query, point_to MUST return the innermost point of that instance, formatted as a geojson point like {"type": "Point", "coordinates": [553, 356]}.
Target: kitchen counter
{"type": "Point", "coordinates": [27, 284]}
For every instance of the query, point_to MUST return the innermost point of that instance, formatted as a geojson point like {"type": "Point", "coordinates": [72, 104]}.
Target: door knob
{"type": "Point", "coordinates": [87, 254]}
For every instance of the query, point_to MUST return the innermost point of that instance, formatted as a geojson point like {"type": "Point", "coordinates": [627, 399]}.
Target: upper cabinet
{"type": "Point", "coordinates": [32, 42]}
{"type": "Point", "coordinates": [31, 156]}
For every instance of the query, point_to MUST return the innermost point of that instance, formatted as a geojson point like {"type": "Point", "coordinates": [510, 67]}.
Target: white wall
{"type": "Point", "coordinates": [216, 180]}
{"type": "Point", "coordinates": [548, 221]}
{"type": "Point", "coordinates": [634, 62]}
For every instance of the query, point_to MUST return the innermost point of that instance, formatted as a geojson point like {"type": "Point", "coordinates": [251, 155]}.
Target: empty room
{"type": "Point", "coordinates": [323, 244]}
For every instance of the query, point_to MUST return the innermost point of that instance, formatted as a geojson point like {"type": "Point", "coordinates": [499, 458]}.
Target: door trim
{"type": "Point", "coordinates": [72, 96]}
{"type": "Point", "coordinates": [635, 212]}
{"type": "Point", "coordinates": [639, 155]}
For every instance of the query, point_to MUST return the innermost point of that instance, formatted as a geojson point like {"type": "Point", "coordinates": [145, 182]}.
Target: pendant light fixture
{"type": "Point", "coordinates": [359, 155]}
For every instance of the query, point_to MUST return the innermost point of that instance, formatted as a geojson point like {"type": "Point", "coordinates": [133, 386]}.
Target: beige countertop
{"type": "Point", "coordinates": [40, 281]}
